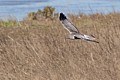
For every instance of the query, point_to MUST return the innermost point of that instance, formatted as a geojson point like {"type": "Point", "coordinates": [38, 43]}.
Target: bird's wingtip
{"type": "Point", "coordinates": [62, 17]}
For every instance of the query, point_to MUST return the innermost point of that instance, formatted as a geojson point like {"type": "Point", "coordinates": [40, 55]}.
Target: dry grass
{"type": "Point", "coordinates": [39, 51]}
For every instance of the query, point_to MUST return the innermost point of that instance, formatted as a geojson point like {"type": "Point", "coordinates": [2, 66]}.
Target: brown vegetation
{"type": "Point", "coordinates": [47, 12]}
{"type": "Point", "coordinates": [37, 50]}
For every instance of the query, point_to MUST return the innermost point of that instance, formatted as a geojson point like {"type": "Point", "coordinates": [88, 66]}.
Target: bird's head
{"type": "Point", "coordinates": [69, 37]}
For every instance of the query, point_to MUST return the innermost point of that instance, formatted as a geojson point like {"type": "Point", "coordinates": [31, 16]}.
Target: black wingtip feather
{"type": "Point", "coordinates": [62, 17]}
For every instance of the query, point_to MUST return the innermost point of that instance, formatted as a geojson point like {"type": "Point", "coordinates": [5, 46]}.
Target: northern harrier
{"type": "Point", "coordinates": [74, 33]}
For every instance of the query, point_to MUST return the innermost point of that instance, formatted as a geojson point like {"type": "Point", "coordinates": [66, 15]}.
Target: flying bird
{"type": "Point", "coordinates": [74, 32]}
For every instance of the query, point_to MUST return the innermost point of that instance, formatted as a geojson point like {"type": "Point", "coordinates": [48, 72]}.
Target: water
{"type": "Point", "coordinates": [20, 8]}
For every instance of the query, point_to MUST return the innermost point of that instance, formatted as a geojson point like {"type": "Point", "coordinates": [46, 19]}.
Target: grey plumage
{"type": "Point", "coordinates": [74, 32]}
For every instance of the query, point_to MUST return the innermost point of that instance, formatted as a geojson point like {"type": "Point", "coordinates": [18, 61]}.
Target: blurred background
{"type": "Point", "coordinates": [20, 8]}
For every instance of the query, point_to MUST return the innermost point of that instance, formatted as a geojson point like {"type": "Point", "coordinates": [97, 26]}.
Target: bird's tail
{"type": "Point", "coordinates": [90, 38]}
{"type": "Point", "coordinates": [94, 41]}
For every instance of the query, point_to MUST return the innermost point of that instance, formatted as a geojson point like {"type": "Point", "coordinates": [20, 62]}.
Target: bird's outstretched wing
{"type": "Point", "coordinates": [67, 24]}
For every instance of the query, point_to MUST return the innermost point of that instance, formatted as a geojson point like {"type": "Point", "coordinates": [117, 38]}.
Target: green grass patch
{"type": "Point", "coordinates": [9, 23]}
